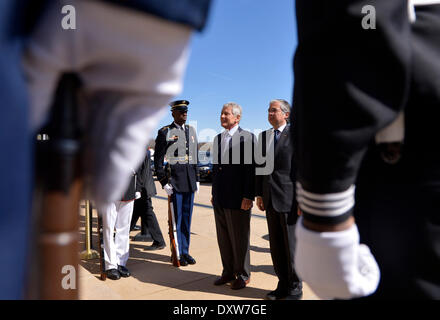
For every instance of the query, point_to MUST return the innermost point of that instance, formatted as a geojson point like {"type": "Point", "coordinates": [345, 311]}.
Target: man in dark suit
{"type": "Point", "coordinates": [143, 206]}
{"type": "Point", "coordinates": [274, 194]}
{"type": "Point", "coordinates": [233, 192]}
{"type": "Point", "coordinates": [178, 142]}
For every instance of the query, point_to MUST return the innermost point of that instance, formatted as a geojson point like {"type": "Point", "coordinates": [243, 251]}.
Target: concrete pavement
{"type": "Point", "coordinates": [153, 276]}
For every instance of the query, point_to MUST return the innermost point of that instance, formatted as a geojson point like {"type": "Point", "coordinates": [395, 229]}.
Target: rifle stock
{"type": "Point", "coordinates": [172, 230]}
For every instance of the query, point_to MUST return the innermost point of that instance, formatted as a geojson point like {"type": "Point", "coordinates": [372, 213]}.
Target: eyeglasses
{"type": "Point", "coordinates": [273, 110]}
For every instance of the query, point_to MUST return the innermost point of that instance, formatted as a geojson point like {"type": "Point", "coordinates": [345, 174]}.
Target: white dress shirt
{"type": "Point", "coordinates": [226, 137]}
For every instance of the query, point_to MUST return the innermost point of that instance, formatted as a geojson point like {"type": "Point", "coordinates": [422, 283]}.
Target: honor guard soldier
{"type": "Point", "coordinates": [180, 178]}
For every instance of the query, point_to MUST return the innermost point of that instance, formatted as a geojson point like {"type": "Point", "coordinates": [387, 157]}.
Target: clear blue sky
{"type": "Point", "coordinates": [244, 55]}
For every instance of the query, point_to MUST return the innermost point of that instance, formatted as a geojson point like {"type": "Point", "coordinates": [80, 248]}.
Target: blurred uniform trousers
{"type": "Point", "coordinates": [128, 95]}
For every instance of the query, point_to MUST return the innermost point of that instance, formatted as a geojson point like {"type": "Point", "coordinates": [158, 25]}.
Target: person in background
{"type": "Point", "coordinates": [233, 193]}
{"type": "Point", "coordinates": [143, 207]}
{"type": "Point", "coordinates": [116, 231]}
{"type": "Point", "coordinates": [274, 195]}
{"type": "Point", "coordinates": [178, 141]}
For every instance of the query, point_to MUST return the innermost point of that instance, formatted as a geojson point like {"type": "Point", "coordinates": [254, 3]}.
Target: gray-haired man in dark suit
{"type": "Point", "coordinates": [274, 195]}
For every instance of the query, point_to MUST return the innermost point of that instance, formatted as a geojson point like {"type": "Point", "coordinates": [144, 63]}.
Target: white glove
{"type": "Point", "coordinates": [334, 264]}
{"type": "Point", "coordinates": [168, 189]}
{"type": "Point", "coordinates": [198, 186]}
{"type": "Point", "coordinates": [137, 195]}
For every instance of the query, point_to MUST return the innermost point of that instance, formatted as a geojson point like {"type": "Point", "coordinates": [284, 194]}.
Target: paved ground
{"type": "Point", "coordinates": [154, 278]}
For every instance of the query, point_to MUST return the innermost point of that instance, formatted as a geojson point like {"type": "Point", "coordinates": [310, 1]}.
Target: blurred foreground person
{"type": "Point", "coordinates": [130, 56]}
{"type": "Point", "coordinates": [368, 171]}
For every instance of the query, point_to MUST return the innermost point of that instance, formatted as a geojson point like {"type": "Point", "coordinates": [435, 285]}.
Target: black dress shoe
{"type": "Point", "coordinates": [276, 295]}
{"type": "Point", "coordinates": [294, 293]}
{"type": "Point", "coordinates": [113, 274]}
{"type": "Point", "coordinates": [156, 246]}
{"type": "Point", "coordinates": [124, 271]}
{"type": "Point", "coordinates": [239, 283]}
{"type": "Point", "coordinates": [223, 280]}
{"type": "Point", "coordinates": [189, 259]}
{"type": "Point", "coordinates": [296, 296]}
{"type": "Point", "coordinates": [183, 262]}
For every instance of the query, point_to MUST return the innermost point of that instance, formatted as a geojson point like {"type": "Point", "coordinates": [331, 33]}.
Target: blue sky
{"type": "Point", "coordinates": [244, 55]}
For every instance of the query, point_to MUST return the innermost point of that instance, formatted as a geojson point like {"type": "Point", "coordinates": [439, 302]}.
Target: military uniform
{"type": "Point", "coordinates": [117, 217]}
{"type": "Point", "coordinates": [179, 146]}
{"type": "Point", "coordinates": [369, 79]}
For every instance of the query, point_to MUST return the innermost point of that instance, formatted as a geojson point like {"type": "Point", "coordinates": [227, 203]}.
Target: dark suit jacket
{"type": "Point", "coordinates": [133, 187]}
{"type": "Point", "coordinates": [233, 182]}
{"type": "Point", "coordinates": [182, 176]}
{"type": "Point", "coordinates": [279, 186]}
{"type": "Point", "coordinates": [145, 178]}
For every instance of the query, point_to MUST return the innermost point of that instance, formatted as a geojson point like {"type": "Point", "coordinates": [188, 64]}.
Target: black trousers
{"type": "Point", "coordinates": [282, 249]}
{"type": "Point", "coordinates": [143, 208]}
{"type": "Point", "coordinates": [233, 231]}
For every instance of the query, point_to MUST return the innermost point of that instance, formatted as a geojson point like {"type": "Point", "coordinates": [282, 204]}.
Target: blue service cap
{"type": "Point", "coordinates": [179, 105]}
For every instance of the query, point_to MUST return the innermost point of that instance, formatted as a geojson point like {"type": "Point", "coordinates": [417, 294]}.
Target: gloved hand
{"type": "Point", "coordinates": [198, 186]}
{"type": "Point", "coordinates": [137, 195]}
{"type": "Point", "coordinates": [334, 264]}
{"type": "Point", "coordinates": [168, 189]}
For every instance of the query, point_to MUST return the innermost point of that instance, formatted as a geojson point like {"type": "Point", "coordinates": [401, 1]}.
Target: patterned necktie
{"type": "Point", "coordinates": [277, 136]}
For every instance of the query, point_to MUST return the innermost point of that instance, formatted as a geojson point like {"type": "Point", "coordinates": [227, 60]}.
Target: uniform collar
{"type": "Point", "coordinates": [178, 126]}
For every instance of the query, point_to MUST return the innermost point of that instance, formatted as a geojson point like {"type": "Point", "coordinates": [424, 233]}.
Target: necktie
{"type": "Point", "coordinates": [277, 136]}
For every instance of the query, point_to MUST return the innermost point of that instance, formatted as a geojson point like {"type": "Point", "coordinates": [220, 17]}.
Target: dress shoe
{"type": "Point", "coordinates": [135, 228]}
{"type": "Point", "coordinates": [113, 274]}
{"type": "Point", "coordinates": [294, 293]}
{"type": "Point", "coordinates": [239, 283]}
{"type": "Point", "coordinates": [276, 295]}
{"type": "Point", "coordinates": [296, 296]}
{"type": "Point", "coordinates": [189, 259]}
{"type": "Point", "coordinates": [183, 262]}
{"type": "Point", "coordinates": [124, 271]}
{"type": "Point", "coordinates": [156, 246]}
{"type": "Point", "coordinates": [223, 280]}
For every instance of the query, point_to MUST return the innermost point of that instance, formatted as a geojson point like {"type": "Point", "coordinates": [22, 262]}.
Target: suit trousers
{"type": "Point", "coordinates": [282, 248]}
{"type": "Point", "coordinates": [143, 208]}
{"type": "Point", "coordinates": [117, 218]}
{"type": "Point", "coordinates": [183, 206]}
{"type": "Point", "coordinates": [233, 230]}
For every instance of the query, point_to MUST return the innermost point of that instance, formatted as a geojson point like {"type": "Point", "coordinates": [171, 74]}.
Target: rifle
{"type": "Point", "coordinates": [57, 193]}
{"type": "Point", "coordinates": [175, 256]}
{"type": "Point", "coordinates": [101, 248]}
